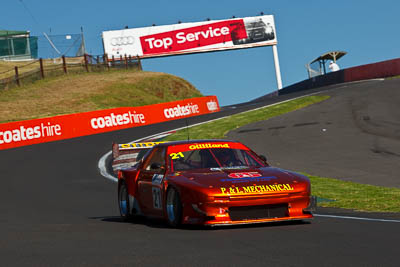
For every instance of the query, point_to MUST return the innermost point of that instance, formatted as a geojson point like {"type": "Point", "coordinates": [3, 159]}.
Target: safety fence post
{"type": "Point", "coordinates": [113, 61]}
{"type": "Point", "coordinates": [17, 76]}
{"type": "Point", "coordinates": [64, 64]}
{"type": "Point", "coordinates": [41, 68]}
{"type": "Point", "coordinates": [139, 63]}
{"type": "Point", "coordinates": [105, 60]}
{"type": "Point", "coordinates": [86, 62]}
{"type": "Point", "coordinates": [126, 62]}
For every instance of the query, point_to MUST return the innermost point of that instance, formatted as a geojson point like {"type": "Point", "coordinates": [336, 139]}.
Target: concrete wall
{"type": "Point", "coordinates": [381, 69]}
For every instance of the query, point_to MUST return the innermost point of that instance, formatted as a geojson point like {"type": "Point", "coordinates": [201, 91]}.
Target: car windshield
{"type": "Point", "coordinates": [224, 158]}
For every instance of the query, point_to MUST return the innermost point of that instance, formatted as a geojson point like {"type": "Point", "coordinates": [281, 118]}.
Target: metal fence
{"type": "Point", "coordinates": [43, 68]}
{"type": "Point", "coordinates": [53, 46]}
{"type": "Point", "coordinates": [19, 47]}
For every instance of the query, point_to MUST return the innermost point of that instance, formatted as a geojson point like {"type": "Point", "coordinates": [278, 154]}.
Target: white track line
{"type": "Point", "coordinates": [103, 169]}
{"type": "Point", "coordinates": [355, 218]}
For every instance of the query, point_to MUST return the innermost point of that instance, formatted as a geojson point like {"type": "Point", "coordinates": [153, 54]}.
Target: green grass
{"type": "Point", "coordinates": [148, 91]}
{"type": "Point", "coordinates": [74, 93]}
{"type": "Point", "coordinates": [7, 68]}
{"type": "Point", "coordinates": [218, 129]}
{"type": "Point", "coordinates": [393, 77]}
{"type": "Point", "coordinates": [347, 195]}
{"type": "Point", "coordinates": [361, 197]}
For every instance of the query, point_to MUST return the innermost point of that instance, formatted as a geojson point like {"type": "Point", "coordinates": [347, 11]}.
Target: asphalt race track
{"type": "Point", "coordinates": [57, 210]}
{"type": "Point", "coordinates": [354, 135]}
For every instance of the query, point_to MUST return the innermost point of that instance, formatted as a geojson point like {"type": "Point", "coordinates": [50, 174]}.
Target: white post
{"type": "Point", "coordinates": [277, 68]}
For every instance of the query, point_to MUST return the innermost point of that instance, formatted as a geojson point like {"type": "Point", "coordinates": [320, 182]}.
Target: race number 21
{"type": "Point", "coordinates": [176, 155]}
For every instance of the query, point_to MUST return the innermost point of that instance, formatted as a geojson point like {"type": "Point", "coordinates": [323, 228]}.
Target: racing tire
{"type": "Point", "coordinates": [173, 207]}
{"type": "Point", "coordinates": [125, 209]}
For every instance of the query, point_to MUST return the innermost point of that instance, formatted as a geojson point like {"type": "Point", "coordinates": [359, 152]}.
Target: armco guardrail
{"type": "Point", "coordinates": [381, 69]}
{"type": "Point", "coordinates": [36, 131]}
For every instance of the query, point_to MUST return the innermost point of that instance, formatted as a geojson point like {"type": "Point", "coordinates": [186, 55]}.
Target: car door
{"type": "Point", "coordinates": [150, 183]}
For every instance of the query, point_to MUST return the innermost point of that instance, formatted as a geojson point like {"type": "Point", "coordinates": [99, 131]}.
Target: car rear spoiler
{"type": "Point", "coordinates": [127, 155]}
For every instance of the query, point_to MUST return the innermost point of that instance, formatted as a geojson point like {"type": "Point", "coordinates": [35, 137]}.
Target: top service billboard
{"type": "Point", "coordinates": [195, 37]}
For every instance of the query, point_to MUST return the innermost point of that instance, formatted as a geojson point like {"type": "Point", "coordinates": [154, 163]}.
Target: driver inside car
{"type": "Point", "coordinates": [226, 158]}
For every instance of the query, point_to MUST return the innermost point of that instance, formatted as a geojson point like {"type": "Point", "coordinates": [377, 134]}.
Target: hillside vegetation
{"type": "Point", "coordinates": [91, 91]}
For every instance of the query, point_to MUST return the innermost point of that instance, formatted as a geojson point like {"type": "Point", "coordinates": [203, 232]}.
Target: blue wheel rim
{"type": "Point", "coordinates": [123, 202]}
{"type": "Point", "coordinates": [171, 203]}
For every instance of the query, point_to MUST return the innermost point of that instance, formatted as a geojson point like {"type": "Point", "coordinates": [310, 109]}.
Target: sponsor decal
{"type": "Point", "coordinates": [157, 179]}
{"type": "Point", "coordinates": [113, 120]}
{"type": "Point", "coordinates": [256, 189]}
{"type": "Point", "coordinates": [248, 179]}
{"type": "Point", "coordinates": [176, 155]}
{"type": "Point", "coordinates": [139, 145]}
{"type": "Point", "coordinates": [229, 168]}
{"type": "Point", "coordinates": [55, 128]}
{"type": "Point", "coordinates": [125, 40]}
{"type": "Point", "coordinates": [244, 174]}
{"type": "Point", "coordinates": [202, 146]}
{"type": "Point", "coordinates": [180, 111]}
{"type": "Point", "coordinates": [194, 37]}
{"type": "Point", "coordinates": [156, 197]}
{"type": "Point", "coordinates": [212, 106]}
{"type": "Point", "coordinates": [22, 133]}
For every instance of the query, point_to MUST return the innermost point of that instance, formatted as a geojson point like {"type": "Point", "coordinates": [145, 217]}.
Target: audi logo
{"type": "Point", "coordinates": [126, 40]}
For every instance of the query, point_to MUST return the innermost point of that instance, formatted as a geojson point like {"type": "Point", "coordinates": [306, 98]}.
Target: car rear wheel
{"type": "Point", "coordinates": [123, 201]}
{"type": "Point", "coordinates": [173, 207]}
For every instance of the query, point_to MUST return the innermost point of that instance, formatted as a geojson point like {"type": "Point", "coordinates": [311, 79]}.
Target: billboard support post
{"type": "Point", "coordinates": [277, 68]}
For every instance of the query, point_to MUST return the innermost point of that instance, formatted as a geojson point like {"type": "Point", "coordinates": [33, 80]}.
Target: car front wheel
{"type": "Point", "coordinates": [173, 207]}
{"type": "Point", "coordinates": [123, 201]}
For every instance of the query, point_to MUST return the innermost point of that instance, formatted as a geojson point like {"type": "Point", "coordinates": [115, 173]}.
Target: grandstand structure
{"type": "Point", "coordinates": [17, 45]}
{"type": "Point", "coordinates": [318, 66]}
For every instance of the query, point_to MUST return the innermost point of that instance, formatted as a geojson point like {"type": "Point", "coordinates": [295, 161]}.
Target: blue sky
{"type": "Point", "coordinates": [367, 30]}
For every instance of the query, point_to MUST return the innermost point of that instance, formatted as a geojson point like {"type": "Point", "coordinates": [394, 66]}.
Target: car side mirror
{"type": "Point", "coordinates": [264, 158]}
{"type": "Point", "coordinates": [155, 166]}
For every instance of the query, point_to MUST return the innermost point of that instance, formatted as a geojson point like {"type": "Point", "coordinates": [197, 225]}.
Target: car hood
{"type": "Point", "coordinates": [246, 180]}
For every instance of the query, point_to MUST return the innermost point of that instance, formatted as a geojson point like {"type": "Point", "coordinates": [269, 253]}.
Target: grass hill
{"type": "Point", "coordinates": [83, 92]}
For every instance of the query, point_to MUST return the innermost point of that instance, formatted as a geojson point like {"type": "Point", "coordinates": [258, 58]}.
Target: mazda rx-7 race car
{"type": "Point", "coordinates": [208, 182]}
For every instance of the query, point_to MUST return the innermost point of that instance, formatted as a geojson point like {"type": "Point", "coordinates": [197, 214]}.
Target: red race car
{"type": "Point", "coordinates": [208, 182]}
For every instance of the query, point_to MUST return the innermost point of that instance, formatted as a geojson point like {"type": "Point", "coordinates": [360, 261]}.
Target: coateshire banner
{"type": "Point", "coordinates": [36, 131]}
{"type": "Point", "coordinates": [192, 37]}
